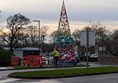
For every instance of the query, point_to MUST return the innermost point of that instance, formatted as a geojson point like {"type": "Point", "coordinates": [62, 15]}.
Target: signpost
{"type": "Point", "coordinates": [87, 38]}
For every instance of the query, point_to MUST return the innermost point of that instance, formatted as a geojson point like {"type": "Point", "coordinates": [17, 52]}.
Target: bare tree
{"type": "Point", "coordinates": [14, 26]}
{"type": "Point", "coordinates": [114, 43]}
{"type": "Point", "coordinates": [31, 33]}
{"type": "Point", "coordinates": [53, 35]}
{"type": "Point", "coordinates": [76, 35]}
{"type": "Point", "coordinates": [101, 34]}
{"type": "Point", "coordinates": [103, 39]}
{"type": "Point", "coordinates": [44, 32]}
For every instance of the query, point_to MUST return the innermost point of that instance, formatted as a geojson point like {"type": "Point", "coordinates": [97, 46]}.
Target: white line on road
{"type": "Point", "coordinates": [50, 81]}
{"type": "Point", "coordinates": [32, 82]}
{"type": "Point", "coordinates": [12, 80]}
{"type": "Point", "coordinates": [8, 80]}
{"type": "Point", "coordinates": [41, 81]}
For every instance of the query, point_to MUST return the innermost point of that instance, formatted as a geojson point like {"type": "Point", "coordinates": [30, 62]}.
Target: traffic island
{"type": "Point", "coordinates": [62, 73]}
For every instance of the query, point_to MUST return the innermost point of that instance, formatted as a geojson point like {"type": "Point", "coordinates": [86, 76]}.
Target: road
{"type": "Point", "coordinates": [106, 78]}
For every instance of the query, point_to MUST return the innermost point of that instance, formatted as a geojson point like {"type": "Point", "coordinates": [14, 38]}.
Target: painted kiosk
{"type": "Point", "coordinates": [28, 57]}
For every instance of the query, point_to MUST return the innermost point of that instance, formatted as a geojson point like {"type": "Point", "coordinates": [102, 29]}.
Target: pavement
{"type": "Point", "coordinates": [6, 68]}
{"type": "Point", "coordinates": [91, 64]}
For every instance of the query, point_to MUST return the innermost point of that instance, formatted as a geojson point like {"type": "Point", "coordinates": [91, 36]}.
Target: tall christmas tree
{"type": "Point", "coordinates": [63, 28]}
{"type": "Point", "coordinates": [64, 42]}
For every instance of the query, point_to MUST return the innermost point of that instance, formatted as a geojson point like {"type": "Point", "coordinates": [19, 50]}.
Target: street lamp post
{"type": "Point", "coordinates": [0, 14]}
{"type": "Point", "coordinates": [87, 46]}
{"type": "Point", "coordinates": [38, 21]}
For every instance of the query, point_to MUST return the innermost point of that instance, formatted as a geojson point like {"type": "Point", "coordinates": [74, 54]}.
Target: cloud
{"type": "Point", "coordinates": [77, 10]}
{"type": "Point", "coordinates": [80, 12]}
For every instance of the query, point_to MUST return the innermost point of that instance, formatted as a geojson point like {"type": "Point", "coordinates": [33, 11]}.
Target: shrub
{"type": "Point", "coordinates": [5, 57]}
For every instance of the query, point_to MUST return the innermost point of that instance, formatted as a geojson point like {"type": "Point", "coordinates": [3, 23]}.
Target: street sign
{"type": "Point", "coordinates": [91, 38]}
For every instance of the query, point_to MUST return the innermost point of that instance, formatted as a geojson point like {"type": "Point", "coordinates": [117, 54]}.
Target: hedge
{"type": "Point", "coordinates": [5, 57]}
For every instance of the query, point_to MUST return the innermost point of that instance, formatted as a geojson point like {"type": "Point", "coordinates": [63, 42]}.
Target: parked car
{"type": "Point", "coordinates": [94, 56]}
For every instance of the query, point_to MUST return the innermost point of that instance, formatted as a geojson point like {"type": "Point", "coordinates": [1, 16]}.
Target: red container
{"type": "Point", "coordinates": [14, 60]}
{"type": "Point", "coordinates": [34, 60]}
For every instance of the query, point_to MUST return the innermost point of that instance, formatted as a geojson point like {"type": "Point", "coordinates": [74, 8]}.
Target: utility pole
{"type": "Point", "coordinates": [38, 21]}
{"type": "Point", "coordinates": [87, 46]}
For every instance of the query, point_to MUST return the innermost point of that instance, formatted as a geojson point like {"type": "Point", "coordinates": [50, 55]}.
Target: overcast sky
{"type": "Point", "coordinates": [49, 10]}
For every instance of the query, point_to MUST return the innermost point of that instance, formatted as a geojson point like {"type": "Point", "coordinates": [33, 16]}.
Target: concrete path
{"type": "Point", "coordinates": [92, 64]}
{"type": "Point", "coordinates": [6, 68]}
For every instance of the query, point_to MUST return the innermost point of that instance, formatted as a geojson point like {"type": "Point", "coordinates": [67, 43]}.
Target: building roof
{"type": "Point", "coordinates": [26, 48]}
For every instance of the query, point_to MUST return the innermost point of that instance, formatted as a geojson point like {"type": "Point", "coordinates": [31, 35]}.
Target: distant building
{"type": "Point", "coordinates": [20, 52]}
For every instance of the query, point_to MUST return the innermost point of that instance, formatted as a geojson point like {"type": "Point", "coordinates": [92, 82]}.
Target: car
{"type": "Point", "coordinates": [94, 56]}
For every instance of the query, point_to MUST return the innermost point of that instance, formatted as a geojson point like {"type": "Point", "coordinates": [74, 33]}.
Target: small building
{"type": "Point", "coordinates": [21, 52]}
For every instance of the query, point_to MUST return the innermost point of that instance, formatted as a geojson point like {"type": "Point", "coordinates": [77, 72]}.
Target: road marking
{"type": "Point", "coordinates": [8, 80]}
{"type": "Point", "coordinates": [32, 82]}
{"type": "Point", "coordinates": [12, 80]}
{"type": "Point", "coordinates": [50, 81]}
{"type": "Point", "coordinates": [41, 81]}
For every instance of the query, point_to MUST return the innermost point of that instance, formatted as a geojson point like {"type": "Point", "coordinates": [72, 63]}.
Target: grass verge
{"type": "Point", "coordinates": [65, 72]}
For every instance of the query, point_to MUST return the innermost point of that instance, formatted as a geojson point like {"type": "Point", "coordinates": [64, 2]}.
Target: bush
{"type": "Point", "coordinates": [5, 57]}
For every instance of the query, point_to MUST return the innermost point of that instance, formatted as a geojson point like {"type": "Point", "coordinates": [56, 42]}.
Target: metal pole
{"type": "Point", "coordinates": [87, 47]}
{"type": "Point", "coordinates": [0, 16]}
{"type": "Point", "coordinates": [39, 35]}
{"type": "Point", "coordinates": [102, 45]}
